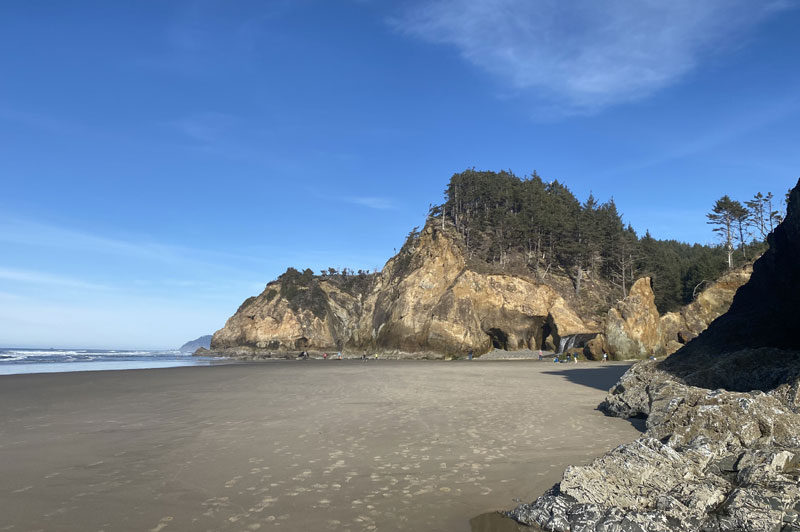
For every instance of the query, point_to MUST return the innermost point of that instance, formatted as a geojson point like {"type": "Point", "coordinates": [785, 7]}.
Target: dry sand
{"type": "Point", "coordinates": [294, 445]}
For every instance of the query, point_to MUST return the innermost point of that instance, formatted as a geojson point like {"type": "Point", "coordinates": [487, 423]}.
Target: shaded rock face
{"type": "Point", "coordinates": [633, 326]}
{"type": "Point", "coordinates": [424, 300]}
{"type": "Point", "coordinates": [722, 447]}
{"type": "Point", "coordinates": [764, 312]}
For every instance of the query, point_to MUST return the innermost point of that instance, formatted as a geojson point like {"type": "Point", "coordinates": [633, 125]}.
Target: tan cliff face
{"type": "Point", "coordinates": [424, 300]}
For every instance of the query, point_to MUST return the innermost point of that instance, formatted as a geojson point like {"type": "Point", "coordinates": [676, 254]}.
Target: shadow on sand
{"type": "Point", "coordinates": [600, 378]}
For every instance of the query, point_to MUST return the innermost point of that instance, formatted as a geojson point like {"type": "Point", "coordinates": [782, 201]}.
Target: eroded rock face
{"type": "Point", "coordinates": [633, 326]}
{"type": "Point", "coordinates": [634, 329]}
{"type": "Point", "coordinates": [679, 328]}
{"type": "Point", "coordinates": [424, 300]}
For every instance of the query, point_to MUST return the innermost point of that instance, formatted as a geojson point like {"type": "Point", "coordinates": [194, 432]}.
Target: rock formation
{"type": "Point", "coordinates": [722, 446]}
{"type": "Point", "coordinates": [425, 300]}
{"type": "Point", "coordinates": [678, 328]}
{"type": "Point", "coordinates": [633, 328]}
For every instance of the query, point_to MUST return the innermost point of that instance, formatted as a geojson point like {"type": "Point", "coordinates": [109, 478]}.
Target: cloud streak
{"type": "Point", "coordinates": [382, 204]}
{"type": "Point", "coordinates": [34, 277]}
{"type": "Point", "coordinates": [586, 55]}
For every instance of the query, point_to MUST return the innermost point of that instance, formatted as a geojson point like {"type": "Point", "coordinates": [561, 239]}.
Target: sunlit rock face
{"type": "Point", "coordinates": [425, 300]}
{"type": "Point", "coordinates": [633, 326]}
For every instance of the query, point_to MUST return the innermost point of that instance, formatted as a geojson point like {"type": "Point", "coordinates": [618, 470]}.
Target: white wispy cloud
{"type": "Point", "coordinates": [383, 204]}
{"type": "Point", "coordinates": [585, 55]}
{"type": "Point", "coordinates": [36, 277]}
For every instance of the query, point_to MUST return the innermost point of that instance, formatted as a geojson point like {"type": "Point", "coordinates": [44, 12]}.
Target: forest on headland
{"type": "Point", "coordinates": [528, 224]}
{"type": "Point", "coordinates": [531, 227]}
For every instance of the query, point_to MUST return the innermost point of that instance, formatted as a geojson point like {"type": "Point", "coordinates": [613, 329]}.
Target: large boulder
{"type": "Point", "coordinates": [633, 326]}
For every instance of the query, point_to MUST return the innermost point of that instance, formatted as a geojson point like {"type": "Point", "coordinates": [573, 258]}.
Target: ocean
{"type": "Point", "coordinates": [17, 360]}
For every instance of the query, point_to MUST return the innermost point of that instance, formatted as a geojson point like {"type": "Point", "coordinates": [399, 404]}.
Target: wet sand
{"type": "Point", "coordinates": [295, 445]}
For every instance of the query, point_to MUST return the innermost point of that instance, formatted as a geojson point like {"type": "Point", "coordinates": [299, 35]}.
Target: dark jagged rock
{"type": "Point", "coordinates": [765, 311]}
{"type": "Point", "coordinates": [722, 448]}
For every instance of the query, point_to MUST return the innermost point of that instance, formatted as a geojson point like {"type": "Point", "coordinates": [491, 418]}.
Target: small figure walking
{"type": "Point", "coordinates": [469, 355]}
{"type": "Point", "coordinates": [575, 358]}
{"type": "Point", "coordinates": [605, 357]}
{"type": "Point", "coordinates": [324, 356]}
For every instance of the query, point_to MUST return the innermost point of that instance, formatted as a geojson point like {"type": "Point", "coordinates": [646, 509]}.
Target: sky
{"type": "Point", "coordinates": [162, 161]}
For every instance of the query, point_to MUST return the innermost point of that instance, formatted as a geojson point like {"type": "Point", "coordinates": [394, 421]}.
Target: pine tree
{"type": "Point", "coordinates": [724, 215]}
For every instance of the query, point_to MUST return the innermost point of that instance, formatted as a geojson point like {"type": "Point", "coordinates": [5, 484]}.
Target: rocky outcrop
{"type": "Point", "coordinates": [722, 447]}
{"type": "Point", "coordinates": [710, 460]}
{"type": "Point", "coordinates": [633, 327]}
{"type": "Point", "coordinates": [678, 328]}
{"type": "Point", "coordinates": [425, 299]}
{"type": "Point", "coordinates": [764, 312]}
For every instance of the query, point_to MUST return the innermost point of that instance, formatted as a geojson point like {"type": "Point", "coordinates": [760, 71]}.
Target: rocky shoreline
{"type": "Point", "coordinates": [711, 460]}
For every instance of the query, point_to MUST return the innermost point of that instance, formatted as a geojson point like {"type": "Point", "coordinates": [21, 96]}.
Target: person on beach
{"type": "Point", "coordinates": [540, 354]}
{"type": "Point", "coordinates": [605, 357]}
{"type": "Point", "coordinates": [556, 359]}
{"type": "Point", "coordinates": [324, 356]}
{"type": "Point", "coordinates": [469, 355]}
{"type": "Point", "coordinates": [575, 358]}
{"type": "Point", "coordinates": [376, 356]}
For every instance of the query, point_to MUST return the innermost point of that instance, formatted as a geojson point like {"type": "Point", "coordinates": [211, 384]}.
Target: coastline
{"type": "Point", "coordinates": [392, 445]}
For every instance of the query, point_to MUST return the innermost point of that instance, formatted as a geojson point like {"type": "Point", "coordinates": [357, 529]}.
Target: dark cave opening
{"type": "Point", "coordinates": [499, 339]}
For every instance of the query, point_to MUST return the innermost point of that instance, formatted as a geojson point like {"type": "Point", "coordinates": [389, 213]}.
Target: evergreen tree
{"type": "Point", "coordinates": [724, 215]}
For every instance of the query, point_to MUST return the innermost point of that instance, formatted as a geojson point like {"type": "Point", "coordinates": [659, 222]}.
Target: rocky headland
{"type": "Point", "coordinates": [425, 302]}
{"type": "Point", "coordinates": [430, 301]}
{"type": "Point", "coordinates": [722, 447]}
{"type": "Point", "coordinates": [193, 345]}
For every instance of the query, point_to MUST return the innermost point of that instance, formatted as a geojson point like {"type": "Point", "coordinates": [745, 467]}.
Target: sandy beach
{"type": "Point", "coordinates": [295, 445]}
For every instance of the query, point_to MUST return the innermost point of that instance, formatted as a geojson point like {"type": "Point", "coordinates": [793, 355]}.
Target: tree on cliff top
{"type": "Point", "coordinates": [728, 215]}
{"type": "Point", "coordinates": [540, 227]}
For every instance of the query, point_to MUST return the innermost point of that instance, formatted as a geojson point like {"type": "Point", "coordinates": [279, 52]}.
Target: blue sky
{"type": "Point", "coordinates": [162, 161]}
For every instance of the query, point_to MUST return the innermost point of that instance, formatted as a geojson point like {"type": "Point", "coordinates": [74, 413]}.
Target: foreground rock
{"type": "Point", "coordinates": [710, 460]}
{"type": "Point", "coordinates": [722, 446]}
{"type": "Point", "coordinates": [425, 300]}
